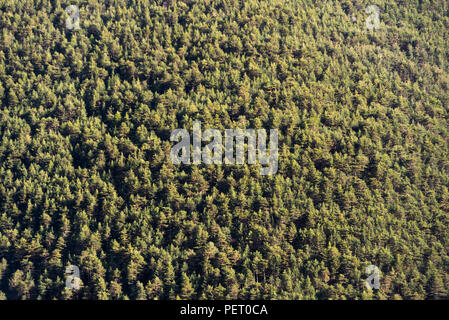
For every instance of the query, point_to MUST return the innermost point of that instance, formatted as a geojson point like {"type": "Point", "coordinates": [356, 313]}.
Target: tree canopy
{"type": "Point", "coordinates": [85, 171]}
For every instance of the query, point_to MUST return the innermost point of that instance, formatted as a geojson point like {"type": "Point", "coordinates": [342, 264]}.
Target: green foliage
{"type": "Point", "coordinates": [86, 178]}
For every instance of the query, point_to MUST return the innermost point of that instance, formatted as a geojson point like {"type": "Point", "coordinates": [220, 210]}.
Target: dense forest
{"type": "Point", "coordinates": [85, 172]}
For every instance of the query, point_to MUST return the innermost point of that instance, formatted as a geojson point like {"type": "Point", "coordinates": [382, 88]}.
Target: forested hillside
{"type": "Point", "coordinates": [85, 171]}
